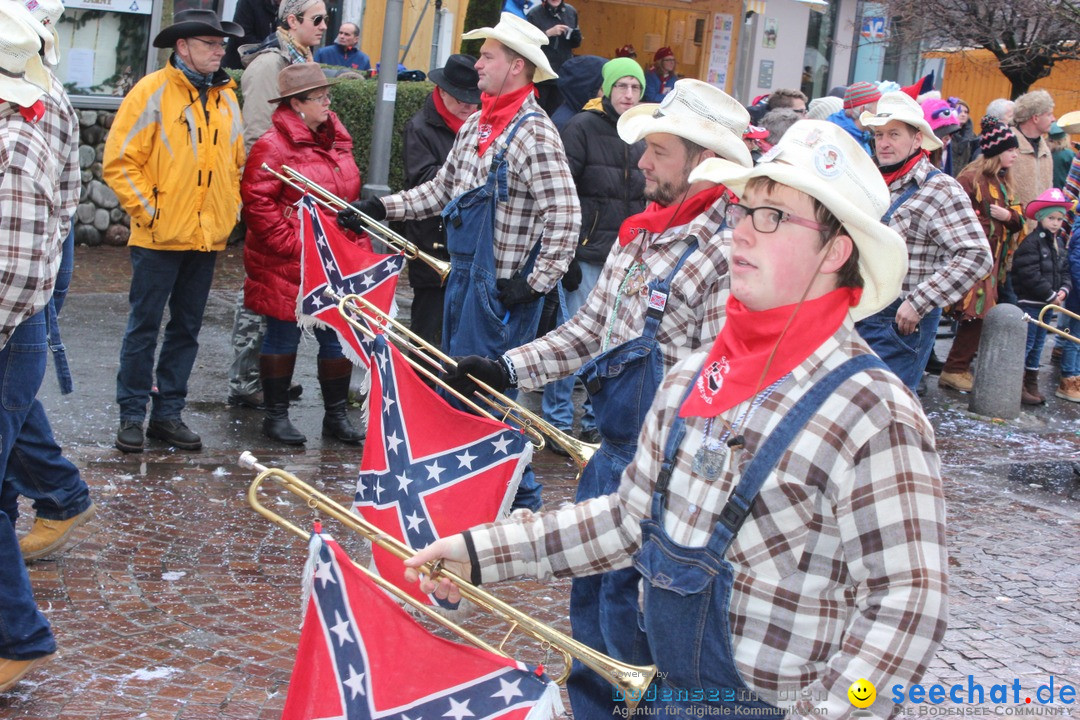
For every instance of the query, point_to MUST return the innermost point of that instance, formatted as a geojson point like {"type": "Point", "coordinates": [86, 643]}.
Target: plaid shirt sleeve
{"type": "Point", "coordinates": [841, 568]}
{"type": "Point", "coordinates": [28, 216]}
{"type": "Point", "coordinates": [428, 199]}
{"type": "Point", "coordinates": [947, 249]}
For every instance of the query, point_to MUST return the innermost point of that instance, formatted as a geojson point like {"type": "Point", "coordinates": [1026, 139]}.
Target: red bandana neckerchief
{"type": "Point", "coordinates": [904, 169]}
{"type": "Point", "coordinates": [452, 121]}
{"type": "Point", "coordinates": [732, 371]}
{"type": "Point", "coordinates": [31, 114]}
{"type": "Point", "coordinates": [496, 112]}
{"type": "Point", "coordinates": [657, 218]}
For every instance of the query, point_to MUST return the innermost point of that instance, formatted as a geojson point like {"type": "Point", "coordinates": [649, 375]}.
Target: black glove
{"type": "Point", "coordinates": [571, 280]}
{"type": "Point", "coordinates": [349, 218]}
{"type": "Point", "coordinates": [514, 291]}
{"type": "Point", "coordinates": [491, 372]}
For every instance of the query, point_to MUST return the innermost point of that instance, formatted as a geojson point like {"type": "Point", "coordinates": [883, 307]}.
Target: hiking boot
{"type": "Point", "coordinates": [1029, 393]}
{"type": "Point", "coordinates": [962, 381]}
{"type": "Point", "coordinates": [11, 671]}
{"type": "Point", "coordinates": [129, 439]}
{"type": "Point", "coordinates": [48, 536]}
{"type": "Point", "coordinates": [174, 433]}
{"type": "Point", "coordinates": [1069, 389]}
{"type": "Point", "coordinates": [591, 436]}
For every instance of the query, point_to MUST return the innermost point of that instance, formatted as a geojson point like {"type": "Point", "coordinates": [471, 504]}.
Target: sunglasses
{"type": "Point", "coordinates": [316, 20]}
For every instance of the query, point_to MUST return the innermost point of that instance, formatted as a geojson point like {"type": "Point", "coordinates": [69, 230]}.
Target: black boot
{"type": "Point", "coordinates": [276, 374]}
{"type": "Point", "coordinates": [334, 376]}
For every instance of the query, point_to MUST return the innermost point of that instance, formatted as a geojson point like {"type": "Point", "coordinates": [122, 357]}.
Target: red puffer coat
{"type": "Point", "coordinates": [272, 245]}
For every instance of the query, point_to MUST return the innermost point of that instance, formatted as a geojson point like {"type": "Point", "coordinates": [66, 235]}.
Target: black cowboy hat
{"type": "Point", "coordinates": [458, 77]}
{"type": "Point", "coordinates": [193, 23]}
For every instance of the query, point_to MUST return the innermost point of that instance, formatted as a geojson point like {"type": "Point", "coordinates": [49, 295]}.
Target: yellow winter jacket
{"type": "Point", "coordinates": [175, 167]}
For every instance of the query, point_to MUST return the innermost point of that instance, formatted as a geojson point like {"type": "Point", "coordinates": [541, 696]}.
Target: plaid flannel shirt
{"type": "Point", "coordinates": [61, 126]}
{"type": "Point", "coordinates": [543, 201]}
{"type": "Point", "coordinates": [30, 202]}
{"type": "Point", "coordinates": [840, 571]}
{"type": "Point", "coordinates": [694, 312]}
{"type": "Point", "coordinates": [947, 249]}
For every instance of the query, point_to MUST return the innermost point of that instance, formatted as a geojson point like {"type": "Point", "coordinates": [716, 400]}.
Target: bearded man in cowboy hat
{"type": "Point", "coordinates": [31, 203]}
{"type": "Point", "coordinates": [173, 157]}
{"type": "Point", "coordinates": [659, 297]}
{"type": "Point", "coordinates": [508, 203]}
{"type": "Point", "coordinates": [785, 505]}
{"type": "Point", "coordinates": [947, 249]}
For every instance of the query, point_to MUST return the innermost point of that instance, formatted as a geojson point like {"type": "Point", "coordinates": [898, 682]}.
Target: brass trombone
{"type": "Point", "coordinates": [633, 680]}
{"type": "Point", "coordinates": [498, 404]}
{"type": "Point", "coordinates": [334, 204]}
{"type": "Point", "coordinates": [1047, 326]}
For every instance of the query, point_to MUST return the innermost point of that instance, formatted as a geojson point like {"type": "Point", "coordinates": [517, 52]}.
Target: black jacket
{"type": "Point", "coordinates": [259, 19]}
{"type": "Point", "coordinates": [1039, 269]}
{"type": "Point", "coordinates": [609, 184]}
{"type": "Point", "coordinates": [559, 48]}
{"type": "Point", "coordinates": [427, 144]}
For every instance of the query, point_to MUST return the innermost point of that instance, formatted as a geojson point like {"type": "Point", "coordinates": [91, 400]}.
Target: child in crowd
{"type": "Point", "coordinates": [1041, 277]}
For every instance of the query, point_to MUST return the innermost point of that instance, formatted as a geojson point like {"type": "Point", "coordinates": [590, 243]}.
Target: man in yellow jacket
{"type": "Point", "coordinates": [173, 157]}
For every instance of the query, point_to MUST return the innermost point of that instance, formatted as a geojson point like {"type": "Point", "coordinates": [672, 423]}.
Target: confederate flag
{"type": "Point", "coordinates": [362, 657]}
{"type": "Point", "coordinates": [329, 260]}
{"type": "Point", "coordinates": [429, 470]}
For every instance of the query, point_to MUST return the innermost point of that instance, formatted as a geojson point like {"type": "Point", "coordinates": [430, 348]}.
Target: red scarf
{"type": "Point", "coordinates": [904, 169]}
{"type": "Point", "coordinates": [31, 114]}
{"type": "Point", "coordinates": [732, 372]}
{"type": "Point", "coordinates": [496, 112]}
{"type": "Point", "coordinates": [657, 218]}
{"type": "Point", "coordinates": [452, 121]}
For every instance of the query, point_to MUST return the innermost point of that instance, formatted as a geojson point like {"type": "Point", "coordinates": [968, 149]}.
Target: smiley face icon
{"type": "Point", "coordinates": [862, 693]}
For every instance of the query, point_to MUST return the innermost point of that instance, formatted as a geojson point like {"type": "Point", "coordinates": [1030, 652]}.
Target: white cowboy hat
{"type": "Point", "coordinates": [1070, 122]}
{"type": "Point", "coordinates": [48, 12]}
{"type": "Point", "coordinates": [697, 111]}
{"type": "Point", "coordinates": [522, 37]}
{"type": "Point", "coordinates": [24, 79]}
{"type": "Point", "coordinates": [900, 106]}
{"type": "Point", "coordinates": [822, 160]}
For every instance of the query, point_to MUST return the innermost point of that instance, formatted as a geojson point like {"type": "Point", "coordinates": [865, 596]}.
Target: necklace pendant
{"type": "Point", "coordinates": [636, 281]}
{"type": "Point", "coordinates": [709, 461]}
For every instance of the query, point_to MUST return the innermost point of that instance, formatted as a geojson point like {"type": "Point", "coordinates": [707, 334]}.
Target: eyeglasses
{"type": "Point", "coordinates": [316, 20]}
{"type": "Point", "coordinates": [767, 219]}
{"type": "Point", "coordinates": [219, 46]}
{"type": "Point", "coordinates": [321, 98]}
{"type": "Point", "coordinates": [627, 87]}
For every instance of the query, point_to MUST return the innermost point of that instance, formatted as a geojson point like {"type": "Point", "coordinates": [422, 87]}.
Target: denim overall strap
{"type": "Point", "coordinates": [59, 352]}
{"type": "Point", "coordinates": [658, 293]}
{"type": "Point", "coordinates": [904, 197]}
{"type": "Point", "coordinates": [474, 321]}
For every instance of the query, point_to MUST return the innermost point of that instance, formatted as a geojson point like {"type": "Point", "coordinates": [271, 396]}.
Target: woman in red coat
{"type": "Point", "coordinates": [308, 137]}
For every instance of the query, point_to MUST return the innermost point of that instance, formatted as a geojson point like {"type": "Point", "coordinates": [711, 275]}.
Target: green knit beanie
{"type": "Point", "coordinates": [1048, 211]}
{"type": "Point", "coordinates": [620, 68]}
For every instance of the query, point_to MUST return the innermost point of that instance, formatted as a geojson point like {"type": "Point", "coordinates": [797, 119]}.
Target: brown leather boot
{"type": "Point", "coordinates": [1029, 393]}
{"type": "Point", "coordinates": [276, 372]}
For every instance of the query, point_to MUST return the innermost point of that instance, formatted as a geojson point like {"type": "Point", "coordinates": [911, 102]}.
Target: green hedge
{"type": "Point", "coordinates": [354, 103]}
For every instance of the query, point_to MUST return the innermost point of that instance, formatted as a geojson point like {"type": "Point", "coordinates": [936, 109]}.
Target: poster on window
{"type": "Point", "coordinates": [137, 7]}
{"type": "Point", "coordinates": [720, 50]}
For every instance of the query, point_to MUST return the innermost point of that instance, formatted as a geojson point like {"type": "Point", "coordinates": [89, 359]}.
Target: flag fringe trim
{"type": "Point", "coordinates": [549, 705]}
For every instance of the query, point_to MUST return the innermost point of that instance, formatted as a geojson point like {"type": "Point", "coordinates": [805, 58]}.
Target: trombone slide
{"type": "Point", "coordinates": [1051, 328]}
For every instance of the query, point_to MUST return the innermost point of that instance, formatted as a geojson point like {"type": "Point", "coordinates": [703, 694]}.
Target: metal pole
{"type": "Point", "coordinates": [435, 32]}
{"type": "Point", "coordinates": [378, 172]}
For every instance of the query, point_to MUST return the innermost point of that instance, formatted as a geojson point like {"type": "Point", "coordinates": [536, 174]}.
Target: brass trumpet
{"type": "Point", "coordinates": [534, 425]}
{"type": "Point", "coordinates": [334, 204]}
{"type": "Point", "coordinates": [633, 680]}
{"type": "Point", "coordinates": [1047, 326]}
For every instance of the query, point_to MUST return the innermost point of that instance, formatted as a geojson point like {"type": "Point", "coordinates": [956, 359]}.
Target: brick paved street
{"type": "Point", "coordinates": [179, 602]}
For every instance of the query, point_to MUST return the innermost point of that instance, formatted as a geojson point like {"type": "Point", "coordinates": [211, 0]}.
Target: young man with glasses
{"type": "Point", "coordinates": [302, 24]}
{"type": "Point", "coordinates": [173, 158]}
{"type": "Point", "coordinates": [794, 100]}
{"type": "Point", "coordinates": [659, 296]}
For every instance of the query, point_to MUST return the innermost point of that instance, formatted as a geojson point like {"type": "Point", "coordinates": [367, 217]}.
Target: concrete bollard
{"type": "Point", "coordinates": [999, 366]}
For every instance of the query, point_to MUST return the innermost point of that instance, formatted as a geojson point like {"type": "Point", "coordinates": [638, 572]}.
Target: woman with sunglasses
{"type": "Point", "coordinates": [301, 27]}
{"type": "Point", "coordinates": [307, 136]}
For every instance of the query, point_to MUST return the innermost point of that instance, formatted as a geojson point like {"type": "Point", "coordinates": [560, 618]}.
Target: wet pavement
{"type": "Point", "coordinates": [180, 602]}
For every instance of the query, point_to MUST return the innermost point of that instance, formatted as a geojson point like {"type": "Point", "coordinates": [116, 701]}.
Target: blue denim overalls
{"type": "Point", "coordinates": [688, 589]}
{"type": "Point", "coordinates": [622, 383]}
{"type": "Point", "coordinates": [474, 321]}
{"type": "Point", "coordinates": [906, 355]}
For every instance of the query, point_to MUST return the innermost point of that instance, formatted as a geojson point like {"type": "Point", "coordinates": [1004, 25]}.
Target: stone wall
{"type": "Point", "coordinates": [99, 219]}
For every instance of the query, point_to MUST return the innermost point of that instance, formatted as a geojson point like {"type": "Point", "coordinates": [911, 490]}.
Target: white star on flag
{"type": "Point", "coordinates": [392, 441]}
{"type": "Point", "coordinates": [433, 471]}
{"type": "Point", "coordinates": [341, 629]}
{"type": "Point", "coordinates": [458, 710]}
{"type": "Point", "coordinates": [323, 573]}
{"type": "Point", "coordinates": [466, 460]}
{"type": "Point", "coordinates": [508, 691]}
{"type": "Point", "coordinates": [403, 482]}
{"type": "Point", "coordinates": [414, 521]}
{"type": "Point", "coordinates": [502, 444]}
{"type": "Point", "coordinates": [356, 682]}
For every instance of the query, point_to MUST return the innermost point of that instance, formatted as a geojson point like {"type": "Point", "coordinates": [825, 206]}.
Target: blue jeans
{"type": "Point", "coordinates": [283, 338]}
{"type": "Point", "coordinates": [1036, 337]}
{"type": "Point", "coordinates": [24, 631]}
{"type": "Point", "coordinates": [63, 275]}
{"type": "Point", "coordinates": [906, 355]}
{"type": "Point", "coordinates": [181, 279]}
{"type": "Point", "coordinates": [1070, 351]}
{"type": "Point", "coordinates": [558, 402]}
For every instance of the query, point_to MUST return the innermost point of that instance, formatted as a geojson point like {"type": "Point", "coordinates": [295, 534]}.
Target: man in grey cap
{"type": "Point", "coordinates": [173, 158]}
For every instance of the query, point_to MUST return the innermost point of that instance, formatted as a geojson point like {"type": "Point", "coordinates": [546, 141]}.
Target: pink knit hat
{"type": "Point", "coordinates": [941, 116]}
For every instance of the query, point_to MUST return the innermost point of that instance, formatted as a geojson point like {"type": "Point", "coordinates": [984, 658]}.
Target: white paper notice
{"type": "Point", "coordinates": [80, 67]}
{"type": "Point", "coordinates": [389, 92]}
